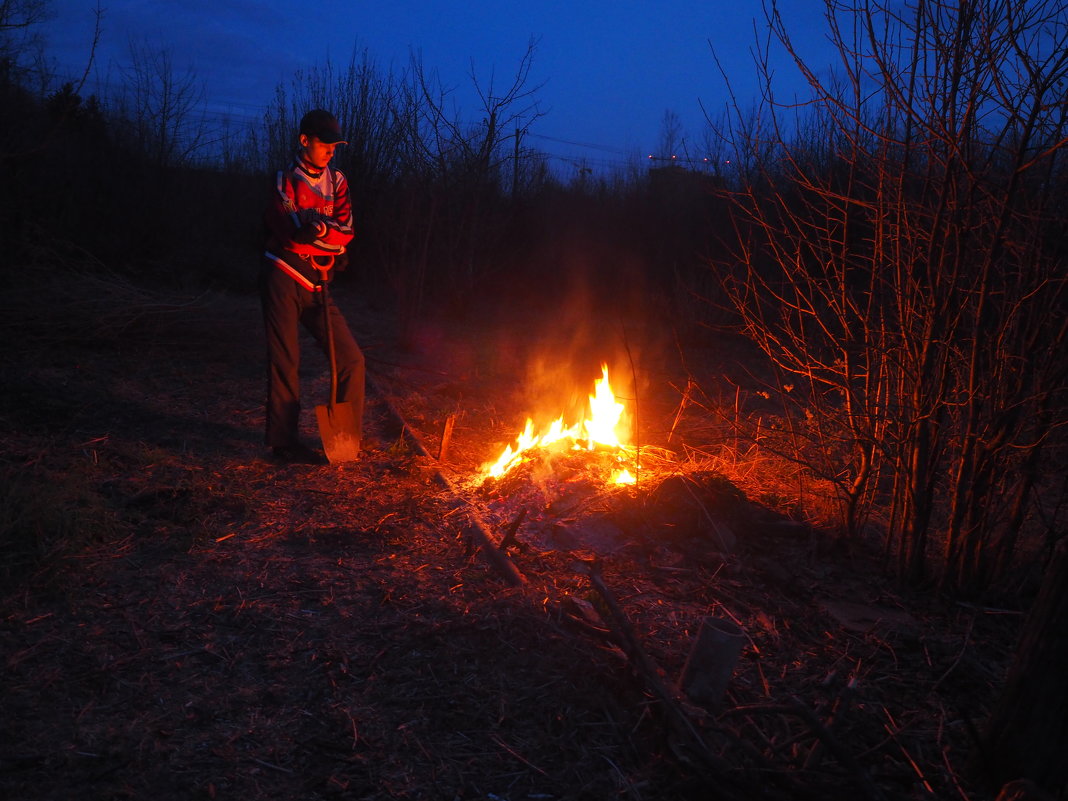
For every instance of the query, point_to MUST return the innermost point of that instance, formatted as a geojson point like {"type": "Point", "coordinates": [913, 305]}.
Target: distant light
{"type": "Point", "coordinates": [650, 155]}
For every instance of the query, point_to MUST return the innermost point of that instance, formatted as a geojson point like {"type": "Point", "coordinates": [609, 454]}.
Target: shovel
{"type": "Point", "coordinates": [338, 427]}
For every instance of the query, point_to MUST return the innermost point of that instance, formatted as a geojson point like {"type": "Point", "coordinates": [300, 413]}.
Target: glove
{"type": "Point", "coordinates": [312, 227]}
{"type": "Point", "coordinates": [309, 232]}
{"type": "Point", "coordinates": [305, 235]}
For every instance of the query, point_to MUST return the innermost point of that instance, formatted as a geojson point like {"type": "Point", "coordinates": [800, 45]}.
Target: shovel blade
{"type": "Point", "coordinates": [339, 432]}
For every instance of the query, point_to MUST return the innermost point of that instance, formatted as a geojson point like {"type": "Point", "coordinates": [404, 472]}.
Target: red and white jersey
{"type": "Point", "coordinates": [299, 188]}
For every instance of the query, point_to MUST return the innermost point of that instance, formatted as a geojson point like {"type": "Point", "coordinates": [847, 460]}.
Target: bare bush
{"type": "Point", "coordinates": [900, 260]}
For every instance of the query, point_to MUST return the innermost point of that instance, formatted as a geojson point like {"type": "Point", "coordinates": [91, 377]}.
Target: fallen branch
{"type": "Point", "coordinates": [730, 790]}
{"type": "Point", "coordinates": [509, 536]}
{"type": "Point", "coordinates": [477, 529]}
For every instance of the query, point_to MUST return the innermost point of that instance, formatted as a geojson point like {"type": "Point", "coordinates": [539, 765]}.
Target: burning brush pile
{"type": "Point", "coordinates": [601, 432]}
{"type": "Point", "coordinates": [579, 485]}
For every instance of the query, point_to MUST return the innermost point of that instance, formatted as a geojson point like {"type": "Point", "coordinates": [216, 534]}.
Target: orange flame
{"type": "Point", "coordinates": [600, 428]}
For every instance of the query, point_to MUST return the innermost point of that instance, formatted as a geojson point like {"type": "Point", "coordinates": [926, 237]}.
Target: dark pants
{"type": "Point", "coordinates": [286, 305]}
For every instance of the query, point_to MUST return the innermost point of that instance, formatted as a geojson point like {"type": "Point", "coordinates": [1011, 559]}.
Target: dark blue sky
{"type": "Point", "coordinates": [610, 69]}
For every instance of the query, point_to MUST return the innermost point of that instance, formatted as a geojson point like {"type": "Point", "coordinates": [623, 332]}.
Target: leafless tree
{"type": "Point", "coordinates": [23, 66]}
{"type": "Point", "coordinates": [671, 135]}
{"type": "Point", "coordinates": [454, 175]}
{"type": "Point", "coordinates": [20, 30]}
{"type": "Point", "coordinates": [164, 106]}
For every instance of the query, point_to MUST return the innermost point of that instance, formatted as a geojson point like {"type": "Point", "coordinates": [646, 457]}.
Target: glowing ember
{"type": "Point", "coordinates": [599, 429]}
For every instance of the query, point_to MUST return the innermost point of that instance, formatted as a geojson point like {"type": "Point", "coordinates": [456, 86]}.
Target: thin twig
{"type": "Point", "coordinates": [272, 766]}
{"type": "Point", "coordinates": [963, 648]}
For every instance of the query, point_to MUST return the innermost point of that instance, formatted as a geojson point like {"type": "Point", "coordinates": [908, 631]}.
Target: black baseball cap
{"type": "Point", "coordinates": [323, 126]}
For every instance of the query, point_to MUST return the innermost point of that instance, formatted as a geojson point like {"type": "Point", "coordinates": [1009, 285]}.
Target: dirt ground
{"type": "Point", "coordinates": [183, 619]}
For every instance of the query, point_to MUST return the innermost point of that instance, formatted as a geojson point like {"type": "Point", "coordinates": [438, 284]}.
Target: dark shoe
{"type": "Point", "coordinates": [297, 454]}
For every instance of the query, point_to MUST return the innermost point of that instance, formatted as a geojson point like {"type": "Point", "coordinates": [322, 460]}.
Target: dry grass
{"type": "Point", "coordinates": [81, 301]}
{"type": "Point", "coordinates": [211, 625]}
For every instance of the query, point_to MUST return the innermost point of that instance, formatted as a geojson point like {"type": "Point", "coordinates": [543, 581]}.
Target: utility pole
{"type": "Point", "coordinates": [515, 164]}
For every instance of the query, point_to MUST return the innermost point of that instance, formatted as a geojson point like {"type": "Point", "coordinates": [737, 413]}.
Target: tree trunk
{"type": "Point", "coordinates": [1027, 735]}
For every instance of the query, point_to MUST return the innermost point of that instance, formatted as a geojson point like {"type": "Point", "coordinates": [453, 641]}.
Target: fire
{"type": "Point", "coordinates": [599, 429]}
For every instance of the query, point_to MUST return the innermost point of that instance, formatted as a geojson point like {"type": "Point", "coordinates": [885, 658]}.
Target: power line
{"type": "Point", "coordinates": [591, 146]}
{"type": "Point", "coordinates": [698, 162]}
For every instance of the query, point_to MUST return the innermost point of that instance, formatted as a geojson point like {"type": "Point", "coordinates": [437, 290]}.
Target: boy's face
{"type": "Point", "coordinates": [316, 152]}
